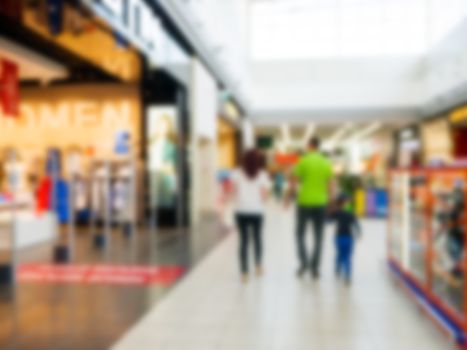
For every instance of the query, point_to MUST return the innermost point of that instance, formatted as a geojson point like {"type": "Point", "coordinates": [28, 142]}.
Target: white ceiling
{"type": "Point", "coordinates": [291, 82]}
{"type": "Point", "coordinates": [300, 29]}
{"type": "Point", "coordinates": [332, 91]}
{"type": "Point", "coordinates": [321, 60]}
{"type": "Point", "coordinates": [32, 66]}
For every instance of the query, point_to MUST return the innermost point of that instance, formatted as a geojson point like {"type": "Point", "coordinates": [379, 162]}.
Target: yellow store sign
{"type": "Point", "coordinates": [458, 115]}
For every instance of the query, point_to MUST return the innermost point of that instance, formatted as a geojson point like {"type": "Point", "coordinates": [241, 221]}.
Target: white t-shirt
{"type": "Point", "coordinates": [248, 198]}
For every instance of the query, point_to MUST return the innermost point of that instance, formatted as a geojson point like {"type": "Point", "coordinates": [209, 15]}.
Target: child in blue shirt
{"type": "Point", "coordinates": [347, 227]}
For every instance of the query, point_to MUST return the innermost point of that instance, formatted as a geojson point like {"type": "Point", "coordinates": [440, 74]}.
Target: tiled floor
{"type": "Point", "coordinates": [211, 309]}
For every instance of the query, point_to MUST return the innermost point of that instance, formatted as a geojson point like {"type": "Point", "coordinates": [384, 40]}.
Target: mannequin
{"type": "Point", "coordinates": [75, 175]}
{"type": "Point", "coordinates": [15, 172]}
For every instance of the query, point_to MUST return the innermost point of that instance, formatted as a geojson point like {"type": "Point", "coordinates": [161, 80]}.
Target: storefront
{"type": "Point", "coordinates": [227, 145]}
{"type": "Point", "coordinates": [426, 250]}
{"type": "Point", "coordinates": [408, 147]}
{"type": "Point", "coordinates": [82, 95]}
{"type": "Point", "coordinates": [437, 142]}
{"type": "Point", "coordinates": [166, 149]}
{"type": "Point", "coordinates": [90, 129]}
{"type": "Point", "coordinates": [228, 135]}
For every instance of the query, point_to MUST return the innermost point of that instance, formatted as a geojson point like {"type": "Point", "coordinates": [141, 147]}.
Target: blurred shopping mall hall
{"type": "Point", "coordinates": [127, 174]}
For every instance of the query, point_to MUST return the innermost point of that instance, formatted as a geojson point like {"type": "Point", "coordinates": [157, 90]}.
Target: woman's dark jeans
{"type": "Point", "coordinates": [249, 225]}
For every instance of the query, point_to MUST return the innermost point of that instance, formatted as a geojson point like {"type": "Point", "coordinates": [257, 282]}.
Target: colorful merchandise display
{"type": "Point", "coordinates": [372, 203]}
{"type": "Point", "coordinates": [359, 200]}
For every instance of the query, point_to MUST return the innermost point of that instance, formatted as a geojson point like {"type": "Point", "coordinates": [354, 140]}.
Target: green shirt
{"type": "Point", "coordinates": [313, 172]}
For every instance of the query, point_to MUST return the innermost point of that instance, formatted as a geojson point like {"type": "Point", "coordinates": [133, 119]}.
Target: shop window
{"type": "Point", "coordinates": [448, 238]}
{"type": "Point", "coordinates": [418, 225]}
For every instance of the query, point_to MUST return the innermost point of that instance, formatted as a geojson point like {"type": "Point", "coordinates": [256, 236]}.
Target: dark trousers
{"type": "Point", "coordinates": [245, 222]}
{"type": "Point", "coordinates": [344, 246]}
{"type": "Point", "coordinates": [317, 217]}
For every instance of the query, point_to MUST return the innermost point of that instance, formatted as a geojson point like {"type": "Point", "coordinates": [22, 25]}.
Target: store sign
{"type": "Point", "coordinates": [9, 88]}
{"type": "Point", "coordinates": [134, 19]}
{"type": "Point", "coordinates": [79, 114]}
{"type": "Point", "coordinates": [459, 115]}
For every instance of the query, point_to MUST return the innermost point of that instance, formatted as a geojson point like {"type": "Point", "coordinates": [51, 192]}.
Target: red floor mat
{"type": "Point", "coordinates": [124, 275]}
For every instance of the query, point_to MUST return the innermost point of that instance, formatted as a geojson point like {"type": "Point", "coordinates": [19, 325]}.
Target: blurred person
{"type": "Point", "coordinates": [250, 186]}
{"type": "Point", "coordinates": [279, 184]}
{"type": "Point", "coordinates": [347, 228]}
{"type": "Point", "coordinates": [312, 177]}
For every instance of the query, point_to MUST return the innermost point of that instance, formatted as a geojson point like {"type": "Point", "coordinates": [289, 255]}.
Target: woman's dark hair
{"type": "Point", "coordinates": [251, 163]}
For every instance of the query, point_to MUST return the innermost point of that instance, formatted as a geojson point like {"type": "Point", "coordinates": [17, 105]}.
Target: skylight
{"type": "Point", "coordinates": [301, 29]}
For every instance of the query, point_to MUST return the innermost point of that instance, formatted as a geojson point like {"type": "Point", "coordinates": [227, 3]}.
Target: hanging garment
{"type": "Point", "coordinates": [54, 197]}
{"type": "Point", "coordinates": [43, 194]}
{"type": "Point", "coordinates": [80, 195]}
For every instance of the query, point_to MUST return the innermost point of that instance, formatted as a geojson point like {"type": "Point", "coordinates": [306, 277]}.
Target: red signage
{"type": "Point", "coordinates": [9, 88]}
{"type": "Point", "coordinates": [286, 159]}
{"type": "Point", "coordinates": [100, 274]}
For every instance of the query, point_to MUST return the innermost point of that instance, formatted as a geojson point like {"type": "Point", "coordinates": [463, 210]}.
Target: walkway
{"type": "Point", "coordinates": [211, 309]}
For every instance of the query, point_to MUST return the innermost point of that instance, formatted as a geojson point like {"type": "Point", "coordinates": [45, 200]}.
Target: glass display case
{"type": "Point", "coordinates": [427, 223]}
{"type": "Point", "coordinates": [418, 228]}
{"type": "Point", "coordinates": [398, 216]}
{"type": "Point", "coordinates": [448, 224]}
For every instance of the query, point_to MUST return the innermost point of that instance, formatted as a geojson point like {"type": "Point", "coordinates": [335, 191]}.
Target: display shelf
{"type": "Point", "coordinates": [427, 245]}
{"type": "Point", "coordinates": [30, 229]}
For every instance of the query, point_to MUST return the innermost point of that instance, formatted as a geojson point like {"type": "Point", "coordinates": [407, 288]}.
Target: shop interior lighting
{"type": "Point", "coordinates": [285, 135]}
{"type": "Point", "coordinates": [334, 139]}
{"type": "Point", "coordinates": [310, 130]}
{"type": "Point", "coordinates": [370, 129]}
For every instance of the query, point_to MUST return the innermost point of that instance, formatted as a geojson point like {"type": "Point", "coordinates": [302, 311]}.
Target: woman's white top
{"type": "Point", "coordinates": [248, 193]}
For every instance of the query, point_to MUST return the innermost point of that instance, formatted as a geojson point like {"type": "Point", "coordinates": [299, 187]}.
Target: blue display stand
{"type": "Point", "coordinates": [62, 201]}
{"type": "Point", "coordinates": [382, 203]}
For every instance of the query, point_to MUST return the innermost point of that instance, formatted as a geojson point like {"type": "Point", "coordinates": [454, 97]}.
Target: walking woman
{"type": "Point", "coordinates": [250, 190]}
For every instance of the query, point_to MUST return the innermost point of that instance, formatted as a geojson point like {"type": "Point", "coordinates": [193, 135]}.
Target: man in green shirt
{"type": "Point", "coordinates": [312, 175]}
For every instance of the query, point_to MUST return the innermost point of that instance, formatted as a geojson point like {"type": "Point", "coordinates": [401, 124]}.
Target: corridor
{"type": "Point", "coordinates": [211, 309]}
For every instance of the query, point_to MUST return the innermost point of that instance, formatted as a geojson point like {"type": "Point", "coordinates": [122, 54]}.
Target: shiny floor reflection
{"type": "Point", "coordinates": [58, 316]}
